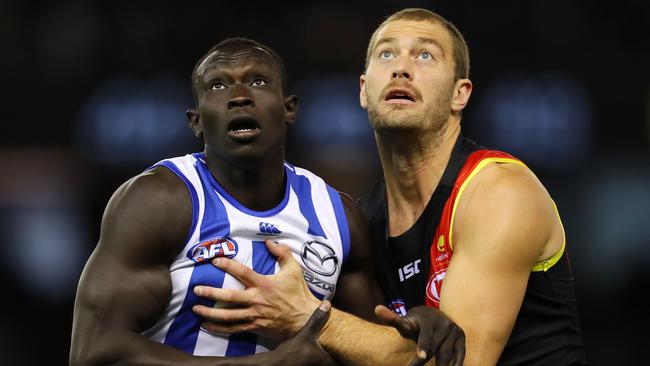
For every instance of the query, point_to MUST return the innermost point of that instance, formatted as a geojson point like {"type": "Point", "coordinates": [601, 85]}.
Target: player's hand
{"type": "Point", "coordinates": [275, 305]}
{"type": "Point", "coordinates": [304, 349]}
{"type": "Point", "coordinates": [436, 334]}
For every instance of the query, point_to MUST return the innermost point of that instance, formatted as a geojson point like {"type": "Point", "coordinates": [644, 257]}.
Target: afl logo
{"type": "Point", "coordinates": [319, 257]}
{"type": "Point", "coordinates": [218, 247]}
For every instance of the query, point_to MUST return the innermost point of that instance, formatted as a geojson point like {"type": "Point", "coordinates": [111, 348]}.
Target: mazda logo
{"type": "Point", "coordinates": [319, 257]}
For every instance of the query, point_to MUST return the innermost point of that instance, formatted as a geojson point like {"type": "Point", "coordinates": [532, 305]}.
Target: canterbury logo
{"type": "Point", "coordinates": [319, 257]}
{"type": "Point", "coordinates": [268, 229]}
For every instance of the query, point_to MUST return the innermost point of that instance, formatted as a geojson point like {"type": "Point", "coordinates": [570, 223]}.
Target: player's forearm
{"type": "Point", "coordinates": [137, 350]}
{"type": "Point", "coordinates": [357, 342]}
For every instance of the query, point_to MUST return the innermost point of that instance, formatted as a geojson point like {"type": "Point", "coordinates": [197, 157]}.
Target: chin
{"type": "Point", "coordinates": [396, 119]}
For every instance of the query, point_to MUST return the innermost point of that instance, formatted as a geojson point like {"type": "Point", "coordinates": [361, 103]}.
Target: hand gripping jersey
{"type": "Point", "coordinates": [546, 331]}
{"type": "Point", "coordinates": [310, 220]}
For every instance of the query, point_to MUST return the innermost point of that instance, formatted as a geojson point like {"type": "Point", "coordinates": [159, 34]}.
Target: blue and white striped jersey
{"type": "Point", "coordinates": [310, 220]}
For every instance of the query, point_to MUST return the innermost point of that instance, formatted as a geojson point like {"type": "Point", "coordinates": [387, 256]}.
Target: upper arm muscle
{"type": "Point", "coordinates": [126, 285]}
{"type": "Point", "coordinates": [503, 222]}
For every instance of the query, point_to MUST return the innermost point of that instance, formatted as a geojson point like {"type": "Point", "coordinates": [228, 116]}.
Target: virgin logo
{"type": "Point", "coordinates": [434, 286]}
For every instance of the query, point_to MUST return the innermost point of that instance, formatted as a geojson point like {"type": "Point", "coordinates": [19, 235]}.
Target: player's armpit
{"type": "Point", "coordinates": [503, 222]}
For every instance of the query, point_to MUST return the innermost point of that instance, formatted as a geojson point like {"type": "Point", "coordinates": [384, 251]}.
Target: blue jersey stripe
{"type": "Point", "coordinates": [212, 227]}
{"type": "Point", "coordinates": [184, 330]}
{"type": "Point", "coordinates": [319, 296]}
{"type": "Point", "coordinates": [263, 260]}
{"type": "Point", "coordinates": [243, 344]}
{"type": "Point", "coordinates": [302, 187]}
{"type": "Point", "coordinates": [195, 199]}
{"type": "Point", "coordinates": [341, 220]}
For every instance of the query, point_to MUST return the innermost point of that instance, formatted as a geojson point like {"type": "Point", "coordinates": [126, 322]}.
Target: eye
{"type": "Point", "coordinates": [258, 82]}
{"type": "Point", "coordinates": [386, 54]}
{"type": "Point", "coordinates": [218, 85]}
{"type": "Point", "coordinates": [425, 55]}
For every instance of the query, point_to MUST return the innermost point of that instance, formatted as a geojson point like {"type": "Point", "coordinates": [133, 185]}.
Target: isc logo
{"type": "Point", "coordinates": [218, 247]}
{"type": "Point", "coordinates": [409, 270]}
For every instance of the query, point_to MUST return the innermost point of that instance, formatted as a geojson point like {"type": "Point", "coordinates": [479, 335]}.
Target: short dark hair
{"type": "Point", "coordinates": [460, 50]}
{"type": "Point", "coordinates": [239, 41]}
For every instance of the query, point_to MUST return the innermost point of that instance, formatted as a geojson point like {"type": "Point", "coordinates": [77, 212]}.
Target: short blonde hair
{"type": "Point", "coordinates": [460, 51]}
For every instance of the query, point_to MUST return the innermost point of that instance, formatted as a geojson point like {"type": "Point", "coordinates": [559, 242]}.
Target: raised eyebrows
{"type": "Point", "coordinates": [420, 40]}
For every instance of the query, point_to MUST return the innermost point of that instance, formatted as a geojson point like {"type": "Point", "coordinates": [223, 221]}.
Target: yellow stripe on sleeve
{"type": "Point", "coordinates": [548, 263]}
{"type": "Point", "coordinates": [477, 169]}
{"type": "Point", "coordinates": [539, 266]}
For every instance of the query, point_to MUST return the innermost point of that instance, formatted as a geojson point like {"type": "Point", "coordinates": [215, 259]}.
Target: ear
{"type": "Point", "coordinates": [363, 99]}
{"type": "Point", "coordinates": [291, 108]}
{"type": "Point", "coordinates": [462, 91]}
{"type": "Point", "coordinates": [193, 121]}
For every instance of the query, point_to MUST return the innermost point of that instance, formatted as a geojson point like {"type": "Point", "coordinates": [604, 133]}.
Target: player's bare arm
{"type": "Point", "coordinates": [126, 283]}
{"type": "Point", "coordinates": [352, 340]}
{"type": "Point", "coordinates": [357, 291]}
{"type": "Point", "coordinates": [505, 222]}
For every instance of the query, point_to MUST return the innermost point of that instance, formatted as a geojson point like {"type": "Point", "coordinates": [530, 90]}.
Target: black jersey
{"type": "Point", "coordinates": [546, 331]}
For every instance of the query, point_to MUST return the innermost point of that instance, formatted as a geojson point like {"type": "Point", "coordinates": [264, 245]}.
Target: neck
{"type": "Point", "coordinates": [413, 164]}
{"type": "Point", "coordinates": [258, 185]}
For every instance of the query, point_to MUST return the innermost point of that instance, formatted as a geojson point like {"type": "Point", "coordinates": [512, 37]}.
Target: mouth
{"type": "Point", "coordinates": [400, 96]}
{"type": "Point", "coordinates": [244, 129]}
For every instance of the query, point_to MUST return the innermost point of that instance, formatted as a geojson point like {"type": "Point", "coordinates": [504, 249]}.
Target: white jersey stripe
{"type": "Point", "coordinates": [309, 220]}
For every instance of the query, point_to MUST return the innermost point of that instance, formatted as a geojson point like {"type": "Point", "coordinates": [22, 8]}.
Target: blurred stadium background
{"type": "Point", "coordinates": [95, 92]}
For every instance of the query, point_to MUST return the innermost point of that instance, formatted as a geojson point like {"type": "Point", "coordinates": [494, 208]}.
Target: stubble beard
{"type": "Point", "coordinates": [432, 118]}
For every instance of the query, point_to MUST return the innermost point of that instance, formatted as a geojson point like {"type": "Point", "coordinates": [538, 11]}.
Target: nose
{"type": "Point", "coordinates": [402, 70]}
{"type": "Point", "coordinates": [240, 102]}
{"type": "Point", "coordinates": [240, 99]}
{"type": "Point", "coordinates": [402, 73]}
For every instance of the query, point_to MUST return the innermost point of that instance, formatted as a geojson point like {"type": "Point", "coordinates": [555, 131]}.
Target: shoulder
{"type": "Point", "coordinates": [352, 211]}
{"type": "Point", "coordinates": [503, 183]}
{"type": "Point", "coordinates": [157, 188]}
{"type": "Point", "coordinates": [507, 206]}
{"type": "Point", "coordinates": [151, 211]}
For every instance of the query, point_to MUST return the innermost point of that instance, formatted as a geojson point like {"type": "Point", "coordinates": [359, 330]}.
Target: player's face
{"type": "Point", "coordinates": [409, 81]}
{"type": "Point", "coordinates": [242, 111]}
